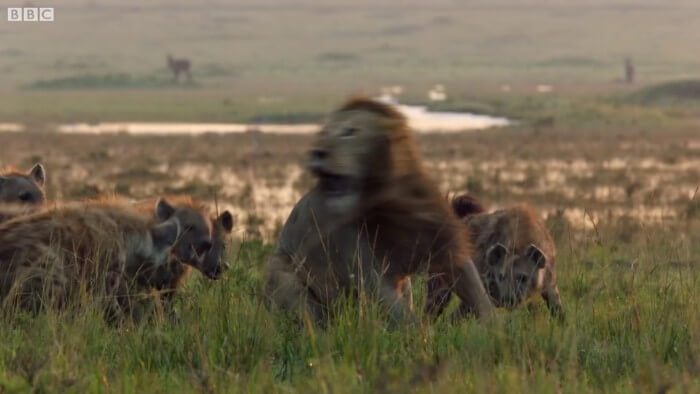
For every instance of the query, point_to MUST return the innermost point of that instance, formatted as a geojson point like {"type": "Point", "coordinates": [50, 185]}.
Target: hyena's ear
{"type": "Point", "coordinates": [535, 256]}
{"type": "Point", "coordinates": [226, 220]}
{"type": "Point", "coordinates": [166, 233]}
{"type": "Point", "coordinates": [496, 254]}
{"type": "Point", "coordinates": [465, 205]}
{"type": "Point", "coordinates": [38, 173]}
{"type": "Point", "coordinates": [164, 210]}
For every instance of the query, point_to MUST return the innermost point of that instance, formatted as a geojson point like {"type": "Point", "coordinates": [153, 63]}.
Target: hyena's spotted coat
{"type": "Point", "coordinates": [515, 256]}
{"type": "Point", "coordinates": [49, 257]}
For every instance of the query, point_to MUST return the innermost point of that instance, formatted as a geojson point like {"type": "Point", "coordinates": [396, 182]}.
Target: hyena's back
{"type": "Point", "coordinates": [56, 250]}
{"type": "Point", "coordinates": [516, 228]}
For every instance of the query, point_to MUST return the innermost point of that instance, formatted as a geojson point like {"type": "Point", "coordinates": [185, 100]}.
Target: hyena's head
{"type": "Point", "coordinates": [512, 278]}
{"type": "Point", "coordinates": [195, 239]}
{"type": "Point", "coordinates": [215, 262]}
{"type": "Point", "coordinates": [17, 187]}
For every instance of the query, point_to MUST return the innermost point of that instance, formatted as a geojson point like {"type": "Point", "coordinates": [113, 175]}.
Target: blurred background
{"type": "Point", "coordinates": [595, 103]}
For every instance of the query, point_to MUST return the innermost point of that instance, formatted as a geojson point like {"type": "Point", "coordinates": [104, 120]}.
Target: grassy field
{"type": "Point", "coordinates": [623, 207]}
{"type": "Point", "coordinates": [615, 170]}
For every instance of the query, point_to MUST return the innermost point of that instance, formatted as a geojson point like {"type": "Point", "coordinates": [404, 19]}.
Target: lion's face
{"type": "Point", "coordinates": [350, 149]}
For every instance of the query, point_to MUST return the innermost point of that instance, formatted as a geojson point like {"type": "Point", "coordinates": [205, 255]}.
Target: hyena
{"type": "Point", "coordinates": [201, 245]}
{"type": "Point", "coordinates": [23, 188]}
{"type": "Point", "coordinates": [107, 249]}
{"type": "Point", "coordinates": [515, 256]}
{"type": "Point", "coordinates": [203, 238]}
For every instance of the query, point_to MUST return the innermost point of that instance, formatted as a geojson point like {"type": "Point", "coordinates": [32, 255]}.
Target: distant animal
{"type": "Point", "coordinates": [373, 219]}
{"type": "Point", "coordinates": [629, 71]}
{"type": "Point", "coordinates": [23, 188]}
{"type": "Point", "coordinates": [108, 249]}
{"type": "Point", "coordinates": [178, 66]}
{"type": "Point", "coordinates": [515, 256]}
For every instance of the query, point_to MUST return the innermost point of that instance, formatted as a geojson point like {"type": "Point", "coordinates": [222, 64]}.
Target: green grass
{"type": "Point", "coordinates": [107, 81]}
{"type": "Point", "coordinates": [632, 325]}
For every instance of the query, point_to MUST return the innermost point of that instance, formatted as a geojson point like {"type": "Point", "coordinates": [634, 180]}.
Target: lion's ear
{"type": "Point", "coordinates": [496, 254]}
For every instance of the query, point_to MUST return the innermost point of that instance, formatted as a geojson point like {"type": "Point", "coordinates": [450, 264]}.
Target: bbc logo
{"type": "Point", "coordinates": [30, 14]}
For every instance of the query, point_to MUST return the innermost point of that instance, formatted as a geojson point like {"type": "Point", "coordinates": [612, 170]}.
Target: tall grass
{"type": "Point", "coordinates": [631, 326]}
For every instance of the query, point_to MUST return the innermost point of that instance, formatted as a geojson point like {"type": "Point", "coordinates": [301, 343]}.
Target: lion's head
{"type": "Point", "coordinates": [361, 146]}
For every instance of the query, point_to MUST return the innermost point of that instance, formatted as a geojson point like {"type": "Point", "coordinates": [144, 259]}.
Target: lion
{"type": "Point", "coordinates": [373, 219]}
{"type": "Point", "coordinates": [106, 248]}
{"type": "Point", "coordinates": [515, 256]}
{"type": "Point", "coordinates": [23, 188]}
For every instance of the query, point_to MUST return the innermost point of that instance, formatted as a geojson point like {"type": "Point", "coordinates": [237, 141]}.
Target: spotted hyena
{"type": "Point", "coordinates": [23, 188]}
{"type": "Point", "coordinates": [203, 239]}
{"type": "Point", "coordinates": [107, 249]}
{"type": "Point", "coordinates": [201, 245]}
{"type": "Point", "coordinates": [515, 256]}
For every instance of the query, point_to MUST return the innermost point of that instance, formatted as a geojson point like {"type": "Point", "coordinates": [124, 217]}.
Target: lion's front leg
{"type": "Point", "coordinates": [285, 291]}
{"type": "Point", "coordinates": [466, 283]}
{"type": "Point", "coordinates": [389, 291]}
{"type": "Point", "coordinates": [438, 295]}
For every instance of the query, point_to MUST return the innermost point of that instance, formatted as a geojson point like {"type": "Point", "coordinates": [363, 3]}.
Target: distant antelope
{"type": "Point", "coordinates": [178, 66]}
{"type": "Point", "coordinates": [629, 70]}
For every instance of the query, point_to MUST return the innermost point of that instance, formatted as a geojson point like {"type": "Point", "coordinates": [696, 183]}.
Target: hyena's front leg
{"type": "Point", "coordinates": [286, 292]}
{"type": "Point", "coordinates": [550, 294]}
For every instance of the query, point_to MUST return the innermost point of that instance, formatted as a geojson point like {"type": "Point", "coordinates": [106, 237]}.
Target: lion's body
{"type": "Point", "coordinates": [373, 219]}
{"type": "Point", "coordinates": [48, 256]}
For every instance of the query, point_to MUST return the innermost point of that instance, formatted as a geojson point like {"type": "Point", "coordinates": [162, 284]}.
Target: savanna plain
{"type": "Point", "coordinates": [613, 167]}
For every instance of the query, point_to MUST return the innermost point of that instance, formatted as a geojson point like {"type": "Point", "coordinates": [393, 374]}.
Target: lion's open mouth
{"type": "Point", "coordinates": [335, 185]}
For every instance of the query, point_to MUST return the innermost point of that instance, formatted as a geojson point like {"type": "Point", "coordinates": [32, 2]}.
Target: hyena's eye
{"type": "Point", "coordinates": [348, 132]}
{"type": "Point", "coordinates": [25, 196]}
{"type": "Point", "coordinates": [522, 279]}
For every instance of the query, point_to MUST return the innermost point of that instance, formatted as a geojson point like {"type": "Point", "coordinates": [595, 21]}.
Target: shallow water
{"type": "Point", "coordinates": [419, 117]}
{"type": "Point", "coordinates": [11, 127]}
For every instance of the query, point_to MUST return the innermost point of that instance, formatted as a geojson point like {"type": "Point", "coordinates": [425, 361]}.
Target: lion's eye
{"type": "Point", "coordinates": [348, 132]}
